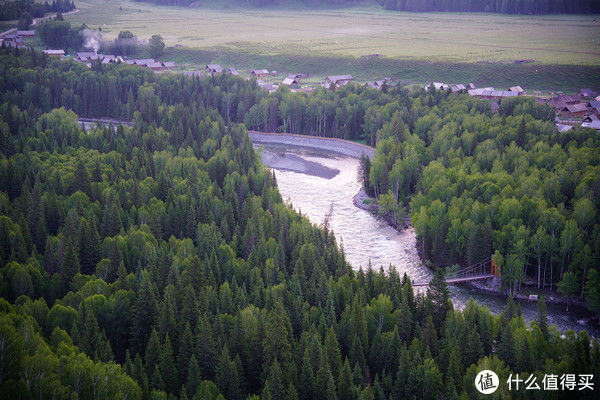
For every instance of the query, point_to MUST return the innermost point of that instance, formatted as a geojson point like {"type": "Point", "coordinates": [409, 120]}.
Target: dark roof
{"type": "Point", "coordinates": [594, 103]}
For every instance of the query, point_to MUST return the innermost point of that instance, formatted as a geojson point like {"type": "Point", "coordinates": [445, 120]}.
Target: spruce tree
{"type": "Point", "coordinates": [167, 367]}
{"type": "Point", "coordinates": [226, 376]}
{"type": "Point", "coordinates": [345, 386]}
{"type": "Point", "coordinates": [144, 310]}
{"type": "Point", "coordinates": [206, 349]}
{"type": "Point", "coordinates": [70, 265]}
{"type": "Point", "coordinates": [193, 377]}
{"type": "Point", "coordinates": [185, 352]}
{"type": "Point", "coordinates": [332, 352]}
{"type": "Point", "coordinates": [153, 351]}
{"type": "Point", "coordinates": [439, 297]}
{"type": "Point", "coordinates": [274, 388]}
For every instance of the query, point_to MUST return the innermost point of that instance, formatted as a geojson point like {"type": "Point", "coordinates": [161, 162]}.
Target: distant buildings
{"type": "Point", "coordinates": [14, 38]}
{"type": "Point", "coordinates": [291, 82]}
{"type": "Point", "coordinates": [490, 93]}
{"type": "Point", "coordinates": [258, 73]}
{"type": "Point", "coordinates": [213, 69]}
{"type": "Point", "coordinates": [337, 80]}
{"type": "Point", "coordinates": [55, 53]}
{"type": "Point", "coordinates": [88, 57]}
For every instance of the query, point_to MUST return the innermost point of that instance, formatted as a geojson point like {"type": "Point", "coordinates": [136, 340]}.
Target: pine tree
{"type": "Point", "coordinates": [226, 376]}
{"type": "Point", "coordinates": [167, 367]}
{"type": "Point", "coordinates": [153, 351]}
{"type": "Point", "coordinates": [157, 380]}
{"type": "Point", "coordinates": [439, 296]}
{"type": "Point", "coordinates": [206, 349]}
{"type": "Point", "coordinates": [345, 386]}
{"type": "Point", "coordinates": [189, 307]}
{"type": "Point", "coordinates": [332, 351]}
{"type": "Point", "coordinates": [274, 389]}
{"type": "Point", "coordinates": [276, 343]}
{"type": "Point", "coordinates": [70, 265]}
{"type": "Point", "coordinates": [185, 352]}
{"type": "Point", "coordinates": [90, 336]}
{"type": "Point", "coordinates": [358, 323]}
{"type": "Point", "coordinates": [144, 310]}
{"type": "Point", "coordinates": [506, 347]}
{"type": "Point", "coordinates": [193, 377]}
{"type": "Point", "coordinates": [89, 246]}
{"type": "Point", "coordinates": [356, 354]}
{"type": "Point", "coordinates": [82, 178]}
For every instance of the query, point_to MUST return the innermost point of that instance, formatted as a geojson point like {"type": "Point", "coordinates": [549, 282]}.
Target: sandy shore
{"type": "Point", "coordinates": [282, 160]}
{"type": "Point", "coordinates": [338, 146]}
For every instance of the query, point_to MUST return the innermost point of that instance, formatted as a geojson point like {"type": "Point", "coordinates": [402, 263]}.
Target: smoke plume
{"type": "Point", "coordinates": [93, 39]}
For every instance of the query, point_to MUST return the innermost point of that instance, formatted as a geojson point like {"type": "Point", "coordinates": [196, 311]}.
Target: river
{"type": "Point", "coordinates": [315, 181]}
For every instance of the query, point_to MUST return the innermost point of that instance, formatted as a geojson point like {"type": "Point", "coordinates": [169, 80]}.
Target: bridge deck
{"type": "Point", "coordinates": [457, 280]}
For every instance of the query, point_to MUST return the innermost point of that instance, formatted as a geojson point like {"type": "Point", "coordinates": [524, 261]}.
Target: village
{"type": "Point", "coordinates": [580, 109]}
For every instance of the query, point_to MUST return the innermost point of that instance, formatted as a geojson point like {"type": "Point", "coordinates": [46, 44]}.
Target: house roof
{"type": "Point", "coordinates": [492, 93]}
{"type": "Point", "coordinates": [259, 72]}
{"type": "Point", "coordinates": [52, 52]}
{"type": "Point", "coordinates": [169, 64]}
{"type": "Point", "coordinates": [85, 55]}
{"type": "Point", "coordinates": [290, 81]}
{"type": "Point", "coordinates": [565, 98]}
{"type": "Point", "coordinates": [595, 124]}
{"type": "Point", "coordinates": [214, 68]}
{"type": "Point", "coordinates": [144, 61]}
{"type": "Point", "coordinates": [573, 108]}
{"type": "Point", "coordinates": [337, 78]}
{"type": "Point", "coordinates": [563, 128]}
{"type": "Point", "coordinates": [233, 71]}
{"type": "Point", "coordinates": [517, 89]}
{"type": "Point", "coordinates": [587, 92]}
{"type": "Point", "coordinates": [458, 87]}
{"type": "Point", "coordinates": [155, 64]}
{"type": "Point", "coordinates": [594, 103]}
{"type": "Point", "coordinates": [440, 86]}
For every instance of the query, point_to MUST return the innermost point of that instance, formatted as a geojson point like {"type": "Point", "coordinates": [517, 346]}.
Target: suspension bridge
{"type": "Point", "coordinates": [484, 269]}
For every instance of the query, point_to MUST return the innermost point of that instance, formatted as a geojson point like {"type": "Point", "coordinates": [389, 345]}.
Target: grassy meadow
{"type": "Point", "coordinates": [413, 48]}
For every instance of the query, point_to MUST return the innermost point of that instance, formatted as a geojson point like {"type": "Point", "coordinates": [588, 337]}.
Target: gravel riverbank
{"type": "Point", "coordinates": [339, 146]}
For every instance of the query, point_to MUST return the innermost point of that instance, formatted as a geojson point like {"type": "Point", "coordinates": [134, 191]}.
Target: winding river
{"type": "Point", "coordinates": [316, 181]}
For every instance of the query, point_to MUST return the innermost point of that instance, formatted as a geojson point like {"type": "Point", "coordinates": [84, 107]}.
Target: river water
{"type": "Point", "coordinates": [315, 182]}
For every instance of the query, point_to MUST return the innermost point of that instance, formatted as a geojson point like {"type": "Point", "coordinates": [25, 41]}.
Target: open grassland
{"type": "Point", "coordinates": [564, 39]}
{"type": "Point", "coordinates": [414, 48]}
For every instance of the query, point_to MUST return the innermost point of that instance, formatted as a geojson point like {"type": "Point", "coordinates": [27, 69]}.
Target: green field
{"type": "Point", "coordinates": [413, 48]}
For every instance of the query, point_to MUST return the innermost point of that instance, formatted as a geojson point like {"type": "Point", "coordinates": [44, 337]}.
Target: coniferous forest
{"type": "Point", "coordinates": [158, 260]}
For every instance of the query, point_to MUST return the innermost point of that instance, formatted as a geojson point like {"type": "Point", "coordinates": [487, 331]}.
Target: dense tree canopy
{"type": "Point", "coordinates": [160, 257]}
{"type": "Point", "coordinates": [14, 9]}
